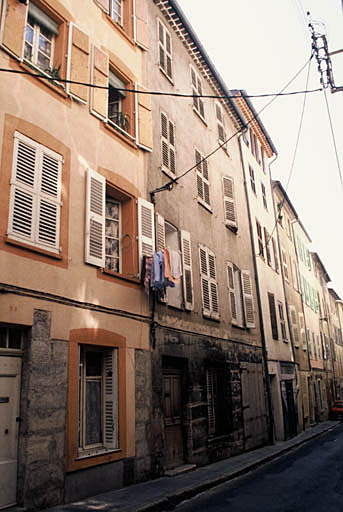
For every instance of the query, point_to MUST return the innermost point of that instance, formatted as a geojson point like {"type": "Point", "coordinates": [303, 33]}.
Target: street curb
{"type": "Point", "coordinates": [169, 502]}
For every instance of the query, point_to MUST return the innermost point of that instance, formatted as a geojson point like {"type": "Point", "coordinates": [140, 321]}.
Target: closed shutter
{"type": "Point", "coordinates": [205, 284]}
{"type": "Point", "coordinates": [232, 293]}
{"type": "Point", "coordinates": [162, 56]}
{"type": "Point", "coordinates": [100, 72]}
{"type": "Point", "coordinates": [110, 410]}
{"type": "Point", "coordinates": [143, 119]}
{"type": "Point", "coordinates": [146, 230]}
{"type": "Point", "coordinates": [187, 270]}
{"type": "Point", "coordinates": [295, 329]}
{"type": "Point", "coordinates": [229, 202]}
{"type": "Point", "coordinates": [213, 285]}
{"type": "Point", "coordinates": [203, 185]}
{"type": "Point", "coordinates": [210, 385]}
{"type": "Point", "coordinates": [141, 34]}
{"type": "Point", "coordinates": [14, 20]}
{"type": "Point", "coordinates": [172, 147]}
{"type": "Point", "coordinates": [302, 331]}
{"type": "Point", "coordinates": [220, 123]}
{"type": "Point", "coordinates": [167, 143]}
{"type": "Point", "coordinates": [276, 260]}
{"type": "Point", "coordinates": [78, 63]}
{"type": "Point", "coordinates": [95, 219]}
{"type": "Point", "coordinates": [248, 300]}
{"type": "Point", "coordinates": [199, 175]}
{"type": "Point", "coordinates": [160, 233]}
{"type": "Point", "coordinates": [273, 319]}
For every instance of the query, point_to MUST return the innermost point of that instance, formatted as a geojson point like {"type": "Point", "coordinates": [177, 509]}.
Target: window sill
{"type": "Point", "coordinates": [96, 452]}
{"type": "Point", "coordinates": [165, 74]}
{"type": "Point", "coordinates": [232, 228]}
{"type": "Point", "coordinates": [52, 84]}
{"type": "Point", "coordinates": [210, 317]}
{"type": "Point", "coordinates": [127, 138]}
{"type": "Point", "coordinates": [200, 116]}
{"type": "Point", "coordinates": [29, 247]}
{"type": "Point", "coordinates": [168, 173]}
{"type": "Point", "coordinates": [123, 277]}
{"type": "Point", "coordinates": [205, 205]}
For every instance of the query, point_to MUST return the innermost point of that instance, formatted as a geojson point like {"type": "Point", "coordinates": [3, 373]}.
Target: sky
{"type": "Point", "coordinates": [259, 46]}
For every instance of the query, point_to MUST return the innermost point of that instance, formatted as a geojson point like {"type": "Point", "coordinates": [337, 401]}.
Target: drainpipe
{"type": "Point", "coordinates": [258, 294]}
{"type": "Point", "coordinates": [153, 305]}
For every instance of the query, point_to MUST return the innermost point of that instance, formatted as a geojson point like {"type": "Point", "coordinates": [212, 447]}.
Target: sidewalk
{"type": "Point", "coordinates": [166, 492]}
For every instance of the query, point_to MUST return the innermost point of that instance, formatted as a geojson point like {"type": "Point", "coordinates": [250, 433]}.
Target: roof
{"type": "Point", "coordinates": [334, 294]}
{"type": "Point", "coordinates": [177, 19]}
{"type": "Point", "coordinates": [323, 269]}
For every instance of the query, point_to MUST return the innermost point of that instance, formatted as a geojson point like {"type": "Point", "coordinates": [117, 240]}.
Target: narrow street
{"type": "Point", "coordinates": [309, 478]}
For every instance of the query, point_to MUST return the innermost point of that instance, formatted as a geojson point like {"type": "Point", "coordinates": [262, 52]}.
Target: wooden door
{"type": "Point", "coordinates": [172, 400]}
{"type": "Point", "coordinates": [9, 415]}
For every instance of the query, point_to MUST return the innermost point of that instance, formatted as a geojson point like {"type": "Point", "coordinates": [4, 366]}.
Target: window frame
{"type": "Point", "coordinates": [116, 19]}
{"type": "Point", "coordinates": [110, 199]}
{"type": "Point", "coordinates": [36, 29]}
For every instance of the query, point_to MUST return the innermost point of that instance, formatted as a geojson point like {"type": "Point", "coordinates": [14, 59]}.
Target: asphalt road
{"type": "Point", "coordinates": [308, 479]}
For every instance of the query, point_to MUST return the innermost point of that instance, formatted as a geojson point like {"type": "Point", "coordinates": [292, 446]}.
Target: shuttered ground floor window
{"type": "Point", "coordinates": [218, 400]}
{"type": "Point", "coordinates": [98, 399]}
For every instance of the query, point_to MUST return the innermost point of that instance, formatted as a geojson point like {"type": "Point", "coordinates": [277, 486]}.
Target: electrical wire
{"type": "Point", "coordinates": [154, 93]}
{"type": "Point", "coordinates": [333, 139]}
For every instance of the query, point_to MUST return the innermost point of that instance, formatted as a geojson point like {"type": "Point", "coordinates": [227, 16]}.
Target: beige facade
{"type": "Point", "coordinates": [72, 309]}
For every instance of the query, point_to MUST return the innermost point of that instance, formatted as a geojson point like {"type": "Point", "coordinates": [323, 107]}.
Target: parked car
{"type": "Point", "coordinates": [336, 411]}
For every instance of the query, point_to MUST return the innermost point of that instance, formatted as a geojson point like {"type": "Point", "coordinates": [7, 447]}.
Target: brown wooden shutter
{"type": "Point", "coordinates": [78, 63]}
{"type": "Point", "coordinates": [100, 70]}
{"type": "Point", "coordinates": [141, 21]}
{"type": "Point", "coordinates": [14, 27]}
{"type": "Point", "coordinates": [143, 113]}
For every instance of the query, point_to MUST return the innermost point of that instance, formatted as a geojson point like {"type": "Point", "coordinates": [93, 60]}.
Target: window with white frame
{"type": "Point", "coordinates": [116, 11]}
{"type": "Point", "coordinates": [35, 198]}
{"type": "Point", "coordinates": [198, 103]}
{"type": "Point", "coordinates": [209, 287]}
{"type": "Point", "coordinates": [98, 399]}
{"type": "Point", "coordinates": [264, 196]}
{"type": "Point", "coordinates": [252, 179]}
{"type": "Point", "coordinates": [282, 321]}
{"type": "Point", "coordinates": [167, 144]}
{"type": "Point", "coordinates": [113, 235]}
{"type": "Point", "coordinates": [40, 32]}
{"type": "Point", "coordinates": [165, 50]}
{"type": "Point", "coordinates": [203, 184]}
{"type": "Point", "coordinates": [220, 123]}
{"type": "Point", "coordinates": [241, 298]}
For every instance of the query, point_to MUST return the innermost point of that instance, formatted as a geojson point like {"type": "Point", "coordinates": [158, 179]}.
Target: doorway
{"type": "Point", "coordinates": [172, 407]}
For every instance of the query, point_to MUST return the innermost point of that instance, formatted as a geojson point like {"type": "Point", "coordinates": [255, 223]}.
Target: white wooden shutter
{"type": "Point", "coordinates": [302, 331]}
{"type": "Point", "coordinates": [248, 300]}
{"type": "Point", "coordinates": [229, 202]}
{"type": "Point", "coordinates": [232, 293]}
{"type": "Point", "coordinates": [205, 284]}
{"type": "Point", "coordinates": [95, 219]}
{"type": "Point", "coordinates": [146, 229]}
{"type": "Point", "coordinates": [110, 408]}
{"type": "Point", "coordinates": [23, 185]}
{"type": "Point", "coordinates": [187, 270]}
{"type": "Point", "coordinates": [49, 199]}
{"type": "Point", "coordinates": [213, 285]}
{"type": "Point", "coordinates": [210, 385]}
{"type": "Point", "coordinates": [172, 165]}
{"type": "Point", "coordinates": [206, 183]}
{"type": "Point", "coordinates": [160, 233]}
{"type": "Point", "coordinates": [295, 330]}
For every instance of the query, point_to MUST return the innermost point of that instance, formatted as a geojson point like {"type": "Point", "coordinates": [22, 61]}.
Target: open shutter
{"type": "Point", "coordinates": [164, 141]}
{"type": "Point", "coordinates": [95, 219]}
{"type": "Point", "coordinates": [141, 24]}
{"type": "Point", "coordinates": [14, 14]}
{"type": "Point", "coordinates": [229, 202]}
{"type": "Point", "coordinates": [248, 300]}
{"type": "Point", "coordinates": [205, 284]}
{"type": "Point", "coordinates": [231, 286]}
{"type": "Point", "coordinates": [213, 285]}
{"type": "Point", "coordinates": [143, 119]}
{"type": "Point", "coordinates": [206, 183]}
{"type": "Point", "coordinates": [295, 329]}
{"type": "Point", "coordinates": [172, 147]}
{"type": "Point", "coordinates": [99, 76]}
{"type": "Point", "coordinates": [187, 270]}
{"type": "Point", "coordinates": [146, 230]}
{"type": "Point", "coordinates": [49, 205]}
{"type": "Point", "coordinates": [210, 385]}
{"type": "Point", "coordinates": [200, 188]}
{"type": "Point", "coordinates": [160, 233]}
{"type": "Point", "coordinates": [110, 379]}
{"type": "Point", "coordinates": [23, 185]}
{"type": "Point", "coordinates": [78, 63]}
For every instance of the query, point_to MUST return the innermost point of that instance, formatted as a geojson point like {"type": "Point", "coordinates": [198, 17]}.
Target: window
{"type": "Point", "coordinates": [40, 32]}
{"type": "Point", "coordinates": [255, 146]}
{"type": "Point", "coordinates": [308, 338]}
{"type": "Point", "coordinates": [229, 203]}
{"type": "Point", "coordinates": [165, 50]}
{"type": "Point", "coordinates": [209, 287]}
{"type": "Point", "coordinates": [267, 246]}
{"type": "Point", "coordinates": [35, 199]}
{"type": "Point", "coordinates": [218, 391]}
{"type": "Point", "coordinates": [113, 224]}
{"type": "Point", "coordinates": [273, 319]}
{"type": "Point", "coordinates": [264, 197]}
{"type": "Point", "coordinates": [220, 123]}
{"type": "Point", "coordinates": [282, 321]}
{"type": "Point", "coordinates": [252, 179]}
{"type": "Point", "coordinates": [116, 11]}
{"type": "Point", "coordinates": [276, 260]}
{"type": "Point", "coordinates": [11, 338]}
{"type": "Point", "coordinates": [241, 298]}
{"type": "Point", "coordinates": [198, 103]}
{"type": "Point", "coordinates": [203, 184]}
{"type": "Point", "coordinates": [117, 114]}
{"type": "Point", "coordinates": [167, 144]}
{"type": "Point", "coordinates": [98, 399]}
{"type": "Point", "coordinates": [260, 240]}
{"type": "Point", "coordinates": [294, 323]}
{"type": "Point", "coordinates": [285, 264]}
